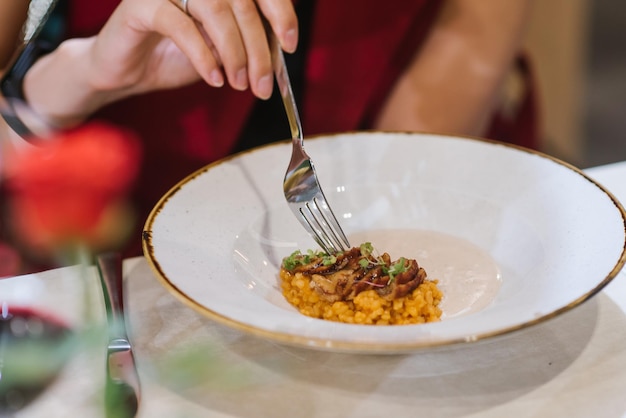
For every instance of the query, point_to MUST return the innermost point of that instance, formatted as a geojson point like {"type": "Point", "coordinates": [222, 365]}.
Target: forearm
{"type": "Point", "coordinates": [58, 88]}
{"type": "Point", "coordinates": [453, 83]}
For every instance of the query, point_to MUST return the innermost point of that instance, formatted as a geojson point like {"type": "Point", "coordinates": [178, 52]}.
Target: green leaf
{"type": "Point", "coordinates": [396, 268]}
{"type": "Point", "coordinates": [329, 260]}
{"type": "Point", "coordinates": [291, 262]}
{"type": "Point", "coordinates": [366, 249]}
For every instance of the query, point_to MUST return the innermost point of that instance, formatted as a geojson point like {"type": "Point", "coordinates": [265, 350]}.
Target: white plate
{"type": "Point", "coordinates": [217, 238]}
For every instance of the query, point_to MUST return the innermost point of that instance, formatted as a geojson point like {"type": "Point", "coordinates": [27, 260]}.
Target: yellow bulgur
{"type": "Point", "coordinates": [369, 308]}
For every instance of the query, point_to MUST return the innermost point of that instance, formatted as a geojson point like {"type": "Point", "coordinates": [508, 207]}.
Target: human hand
{"type": "Point", "coordinates": [152, 44]}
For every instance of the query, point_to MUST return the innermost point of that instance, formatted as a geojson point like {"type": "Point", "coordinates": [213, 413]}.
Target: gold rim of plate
{"type": "Point", "coordinates": [369, 347]}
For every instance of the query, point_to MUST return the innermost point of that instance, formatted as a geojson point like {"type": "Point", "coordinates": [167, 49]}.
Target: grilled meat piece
{"type": "Point", "coordinates": [345, 275]}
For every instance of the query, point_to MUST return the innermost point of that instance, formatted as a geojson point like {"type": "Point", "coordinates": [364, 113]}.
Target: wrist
{"type": "Point", "coordinates": [15, 111]}
{"type": "Point", "coordinates": [57, 86]}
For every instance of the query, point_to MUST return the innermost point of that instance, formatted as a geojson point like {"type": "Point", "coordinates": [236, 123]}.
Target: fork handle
{"type": "Point", "coordinates": [110, 267]}
{"type": "Point", "coordinates": [284, 86]}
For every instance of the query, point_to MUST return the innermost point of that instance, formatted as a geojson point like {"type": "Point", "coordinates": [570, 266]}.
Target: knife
{"type": "Point", "coordinates": [122, 389]}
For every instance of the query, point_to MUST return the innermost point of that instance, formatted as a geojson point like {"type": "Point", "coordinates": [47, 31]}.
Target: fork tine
{"type": "Point", "coordinates": [334, 228]}
{"type": "Point", "coordinates": [301, 188]}
{"type": "Point", "coordinates": [317, 236]}
{"type": "Point", "coordinates": [322, 221]}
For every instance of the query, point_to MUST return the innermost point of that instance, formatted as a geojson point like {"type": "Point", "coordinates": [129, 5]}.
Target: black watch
{"type": "Point", "coordinates": [46, 37]}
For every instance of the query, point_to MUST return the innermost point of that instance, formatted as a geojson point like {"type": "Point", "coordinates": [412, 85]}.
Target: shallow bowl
{"type": "Point", "coordinates": [556, 237]}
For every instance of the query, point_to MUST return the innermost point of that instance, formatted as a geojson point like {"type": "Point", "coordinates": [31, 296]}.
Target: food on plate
{"type": "Point", "coordinates": [359, 287]}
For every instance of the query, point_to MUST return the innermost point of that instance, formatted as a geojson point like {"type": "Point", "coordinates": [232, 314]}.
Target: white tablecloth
{"type": "Point", "coordinates": [573, 365]}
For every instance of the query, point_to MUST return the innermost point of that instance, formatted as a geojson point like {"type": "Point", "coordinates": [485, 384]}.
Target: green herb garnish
{"type": "Point", "coordinates": [298, 259]}
{"type": "Point", "coordinates": [396, 268]}
{"type": "Point", "coordinates": [366, 249]}
{"type": "Point", "coordinates": [367, 261]}
{"type": "Point", "coordinates": [329, 260]}
{"type": "Point", "coordinates": [291, 262]}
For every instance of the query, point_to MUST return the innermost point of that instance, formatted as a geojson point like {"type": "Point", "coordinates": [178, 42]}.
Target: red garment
{"type": "Point", "coordinates": [356, 51]}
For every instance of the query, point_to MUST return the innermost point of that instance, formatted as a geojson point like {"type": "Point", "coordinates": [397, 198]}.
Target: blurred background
{"type": "Point", "coordinates": [580, 59]}
{"type": "Point", "coordinates": [605, 122]}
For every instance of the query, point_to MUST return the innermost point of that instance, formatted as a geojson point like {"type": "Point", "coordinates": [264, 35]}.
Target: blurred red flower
{"type": "Point", "coordinates": [9, 260]}
{"type": "Point", "coordinates": [72, 188]}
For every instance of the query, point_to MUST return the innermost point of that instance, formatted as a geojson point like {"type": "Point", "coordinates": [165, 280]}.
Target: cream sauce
{"type": "Point", "coordinates": [468, 276]}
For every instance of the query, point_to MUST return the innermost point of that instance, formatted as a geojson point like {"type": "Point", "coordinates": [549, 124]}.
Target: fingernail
{"type": "Point", "coordinates": [216, 79]}
{"type": "Point", "coordinates": [265, 86]}
{"type": "Point", "coordinates": [291, 40]}
{"type": "Point", "coordinates": [241, 79]}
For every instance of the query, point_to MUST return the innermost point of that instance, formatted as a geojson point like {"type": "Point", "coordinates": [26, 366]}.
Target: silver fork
{"type": "Point", "coordinates": [301, 187]}
{"type": "Point", "coordinates": [122, 389]}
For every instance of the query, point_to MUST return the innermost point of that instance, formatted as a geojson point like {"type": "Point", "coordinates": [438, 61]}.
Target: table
{"type": "Point", "coordinates": [573, 365]}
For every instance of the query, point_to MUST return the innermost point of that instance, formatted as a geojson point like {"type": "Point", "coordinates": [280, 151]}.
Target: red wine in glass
{"type": "Point", "coordinates": [33, 349]}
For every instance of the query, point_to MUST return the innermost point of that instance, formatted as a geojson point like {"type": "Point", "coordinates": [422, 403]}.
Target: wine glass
{"type": "Point", "coordinates": [38, 318]}
{"type": "Point", "coordinates": [67, 200]}
{"type": "Point", "coordinates": [39, 313]}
